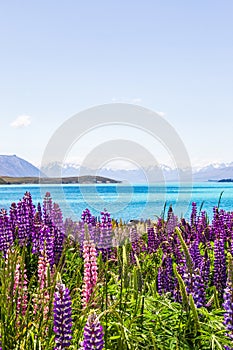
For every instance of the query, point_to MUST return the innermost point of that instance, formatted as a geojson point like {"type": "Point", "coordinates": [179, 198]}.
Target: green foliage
{"type": "Point", "coordinates": [133, 314]}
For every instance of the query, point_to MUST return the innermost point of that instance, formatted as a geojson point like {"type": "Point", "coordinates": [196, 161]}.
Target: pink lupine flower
{"type": "Point", "coordinates": [20, 291]}
{"type": "Point", "coordinates": [41, 300]}
{"type": "Point", "coordinates": [90, 271]}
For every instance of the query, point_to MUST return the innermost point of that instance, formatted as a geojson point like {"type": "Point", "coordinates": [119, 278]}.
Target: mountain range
{"type": "Point", "coordinates": [18, 167]}
{"type": "Point", "coordinates": [215, 172]}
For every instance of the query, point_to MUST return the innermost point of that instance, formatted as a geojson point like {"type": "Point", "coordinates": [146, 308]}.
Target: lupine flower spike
{"type": "Point", "coordinates": [228, 301]}
{"type": "Point", "coordinates": [90, 271]}
{"type": "Point", "coordinates": [20, 291]}
{"type": "Point", "coordinates": [93, 334]}
{"type": "Point", "coordinates": [62, 317]}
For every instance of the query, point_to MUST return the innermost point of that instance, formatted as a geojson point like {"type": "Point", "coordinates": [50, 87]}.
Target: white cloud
{"type": "Point", "coordinates": [21, 121]}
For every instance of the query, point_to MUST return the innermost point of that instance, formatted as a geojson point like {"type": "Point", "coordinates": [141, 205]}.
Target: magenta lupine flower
{"type": "Point", "coordinates": [62, 317]}
{"type": "Point", "coordinates": [20, 291]}
{"type": "Point", "coordinates": [90, 271]}
{"type": "Point", "coordinates": [93, 334]}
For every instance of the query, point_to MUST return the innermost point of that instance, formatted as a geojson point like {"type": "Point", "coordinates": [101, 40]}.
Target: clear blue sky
{"type": "Point", "coordinates": [60, 57]}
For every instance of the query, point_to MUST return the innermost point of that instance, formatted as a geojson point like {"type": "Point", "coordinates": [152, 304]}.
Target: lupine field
{"type": "Point", "coordinates": [103, 284]}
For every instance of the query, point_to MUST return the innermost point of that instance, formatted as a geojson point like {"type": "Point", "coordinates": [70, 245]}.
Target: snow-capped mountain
{"type": "Point", "coordinates": [215, 171]}
{"type": "Point", "coordinates": [158, 173]}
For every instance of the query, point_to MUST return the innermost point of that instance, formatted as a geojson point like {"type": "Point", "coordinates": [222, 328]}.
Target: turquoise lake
{"type": "Point", "coordinates": [127, 202]}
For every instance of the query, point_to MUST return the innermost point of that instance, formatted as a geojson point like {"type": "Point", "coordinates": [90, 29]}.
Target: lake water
{"type": "Point", "coordinates": [125, 201]}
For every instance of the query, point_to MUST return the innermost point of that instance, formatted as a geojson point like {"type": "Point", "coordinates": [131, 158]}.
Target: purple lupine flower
{"type": "Point", "coordinates": [134, 239]}
{"type": "Point", "coordinates": [88, 224]}
{"type": "Point", "coordinates": [71, 229]}
{"type": "Point", "coordinates": [218, 224]}
{"type": "Point", "coordinates": [25, 219]}
{"type": "Point", "coordinates": [52, 216]}
{"type": "Point", "coordinates": [219, 265]}
{"type": "Point", "coordinates": [193, 218]}
{"type": "Point", "coordinates": [89, 219]}
{"type": "Point", "coordinates": [105, 237]}
{"type": "Point", "coordinates": [198, 286]}
{"type": "Point", "coordinates": [228, 306]}
{"type": "Point", "coordinates": [195, 254]}
{"type": "Point", "coordinates": [228, 302]}
{"type": "Point", "coordinates": [39, 211]}
{"type": "Point", "coordinates": [203, 229]}
{"type": "Point", "coordinates": [62, 312]}
{"type": "Point", "coordinates": [219, 235]}
{"type": "Point", "coordinates": [93, 232]}
{"type": "Point", "coordinates": [90, 271]}
{"type": "Point", "coordinates": [47, 209]}
{"type": "Point", "coordinates": [31, 210]}
{"type": "Point", "coordinates": [172, 222]}
{"type": "Point", "coordinates": [21, 223]}
{"type": "Point", "coordinates": [13, 218]}
{"type": "Point", "coordinates": [205, 269]}
{"type": "Point", "coordinates": [59, 234]}
{"type": "Point", "coordinates": [166, 276]}
{"type": "Point", "coordinates": [151, 240]}
{"type": "Point", "coordinates": [6, 234]}
{"type": "Point", "coordinates": [93, 334]}
{"type": "Point", "coordinates": [178, 254]}
{"type": "Point", "coordinates": [86, 216]}
{"type": "Point", "coordinates": [36, 236]}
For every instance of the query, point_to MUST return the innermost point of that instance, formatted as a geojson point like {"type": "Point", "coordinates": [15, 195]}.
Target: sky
{"type": "Point", "coordinates": [61, 57]}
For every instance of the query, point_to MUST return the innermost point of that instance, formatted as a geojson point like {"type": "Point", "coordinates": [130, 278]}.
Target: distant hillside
{"type": "Point", "coordinates": [225, 180]}
{"type": "Point", "coordinates": [7, 180]}
{"type": "Point", "coordinates": [17, 167]}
